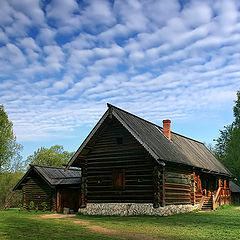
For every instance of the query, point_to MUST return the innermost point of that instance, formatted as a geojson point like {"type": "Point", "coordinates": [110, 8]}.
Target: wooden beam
{"type": "Point", "coordinates": [163, 187]}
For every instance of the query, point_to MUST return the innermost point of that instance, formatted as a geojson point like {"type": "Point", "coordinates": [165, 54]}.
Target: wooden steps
{"type": "Point", "coordinates": [208, 204]}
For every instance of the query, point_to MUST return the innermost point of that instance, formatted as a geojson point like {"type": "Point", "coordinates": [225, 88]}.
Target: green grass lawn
{"type": "Point", "coordinates": [221, 224]}
{"type": "Point", "coordinates": [16, 224]}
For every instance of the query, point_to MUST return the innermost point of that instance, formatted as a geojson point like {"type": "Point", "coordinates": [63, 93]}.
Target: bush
{"type": "Point", "coordinates": [36, 209]}
{"type": "Point", "coordinates": [44, 205]}
{"type": "Point", "coordinates": [20, 206]}
{"type": "Point", "coordinates": [31, 205]}
{"type": "Point", "coordinates": [8, 198]}
{"type": "Point", "coordinates": [225, 206]}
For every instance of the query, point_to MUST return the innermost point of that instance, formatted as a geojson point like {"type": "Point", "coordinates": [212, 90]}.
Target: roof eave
{"type": "Point", "coordinates": [18, 185]}
{"type": "Point", "coordinates": [46, 180]}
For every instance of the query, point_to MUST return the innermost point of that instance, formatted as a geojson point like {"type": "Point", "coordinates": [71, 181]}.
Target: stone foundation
{"type": "Point", "coordinates": [129, 209]}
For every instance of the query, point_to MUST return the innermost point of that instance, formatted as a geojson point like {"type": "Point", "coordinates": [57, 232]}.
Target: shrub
{"type": "Point", "coordinates": [31, 205]}
{"type": "Point", "coordinates": [225, 206]}
{"type": "Point", "coordinates": [44, 205]}
{"type": "Point", "coordinates": [20, 206]}
{"type": "Point", "coordinates": [36, 209]}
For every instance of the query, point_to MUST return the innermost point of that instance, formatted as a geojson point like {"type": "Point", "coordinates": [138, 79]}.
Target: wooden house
{"type": "Point", "coordinates": [55, 186]}
{"type": "Point", "coordinates": [235, 193]}
{"type": "Point", "coordinates": [126, 159]}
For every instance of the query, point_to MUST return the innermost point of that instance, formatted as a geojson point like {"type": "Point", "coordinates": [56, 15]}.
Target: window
{"type": "Point", "coordinates": [118, 179]}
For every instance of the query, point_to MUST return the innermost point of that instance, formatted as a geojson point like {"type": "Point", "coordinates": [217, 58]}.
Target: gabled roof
{"type": "Point", "coordinates": [53, 176]}
{"type": "Point", "coordinates": [180, 149]}
{"type": "Point", "coordinates": [234, 187]}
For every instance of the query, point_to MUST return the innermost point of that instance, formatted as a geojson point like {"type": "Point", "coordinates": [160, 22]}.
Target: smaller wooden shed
{"type": "Point", "coordinates": [235, 193]}
{"type": "Point", "coordinates": [55, 186]}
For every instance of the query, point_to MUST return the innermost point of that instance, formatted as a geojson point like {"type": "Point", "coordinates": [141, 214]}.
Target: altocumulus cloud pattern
{"type": "Point", "coordinates": [61, 61]}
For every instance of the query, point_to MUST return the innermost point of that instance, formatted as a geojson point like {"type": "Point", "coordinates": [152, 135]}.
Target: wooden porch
{"type": "Point", "coordinates": [207, 199]}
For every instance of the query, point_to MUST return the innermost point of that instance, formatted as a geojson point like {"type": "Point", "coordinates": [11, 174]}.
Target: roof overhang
{"type": "Point", "coordinates": [111, 112]}
{"type": "Point", "coordinates": [32, 168]}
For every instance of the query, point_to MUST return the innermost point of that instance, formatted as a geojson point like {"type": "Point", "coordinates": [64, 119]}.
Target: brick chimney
{"type": "Point", "coordinates": [167, 128]}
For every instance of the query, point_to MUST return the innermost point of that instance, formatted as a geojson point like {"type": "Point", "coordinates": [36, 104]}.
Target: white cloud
{"type": "Point", "coordinates": [118, 30]}
{"type": "Point", "coordinates": [63, 14]}
{"type": "Point", "coordinates": [82, 41]}
{"type": "Point", "coordinates": [46, 35]}
{"type": "Point", "coordinates": [29, 8]}
{"type": "Point", "coordinates": [114, 50]}
{"type": "Point", "coordinates": [12, 55]}
{"type": "Point", "coordinates": [227, 15]}
{"type": "Point", "coordinates": [63, 84]}
{"type": "Point", "coordinates": [81, 85]}
{"type": "Point", "coordinates": [197, 13]}
{"type": "Point", "coordinates": [19, 26]}
{"type": "Point", "coordinates": [161, 11]}
{"type": "Point", "coordinates": [106, 64]}
{"type": "Point", "coordinates": [29, 43]}
{"type": "Point", "coordinates": [54, 57]}
{"type": "Point", "coordinates": [6, 13]}
{"type": "Point", "coordinates": [131, 14]}
{"type": "Point", "coordinates": [137, 56]}
{"type": "Point", "coordinates": [98, 12]}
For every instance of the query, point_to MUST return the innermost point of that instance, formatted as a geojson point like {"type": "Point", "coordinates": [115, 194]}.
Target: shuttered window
{"type": "Point", "coordinates": [118, 179]}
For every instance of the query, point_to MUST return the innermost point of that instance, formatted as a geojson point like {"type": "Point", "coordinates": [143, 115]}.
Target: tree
{"type": "Point", "coordinates": [9, 148]}
{"type": "Point", "coordinates": [54, 156]}
{"type": "Point", "coordinates": [9, 198]}
{"type": "Point", "coordinates": [227, 149]}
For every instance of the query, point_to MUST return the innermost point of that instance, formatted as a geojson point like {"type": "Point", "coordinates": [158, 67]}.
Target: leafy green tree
{"type": "Point", "coordinates": [227, 149]}
{"type": "Point", "coordinates": [9, 148]}
{"type": "Point", "coordinates": [8, 198]}
{"type": "Point", "coordinates": [54, 156]}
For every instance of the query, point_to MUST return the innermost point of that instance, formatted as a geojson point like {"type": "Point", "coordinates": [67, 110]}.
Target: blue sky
{"type": "Point", "coordinates": [62, 61]}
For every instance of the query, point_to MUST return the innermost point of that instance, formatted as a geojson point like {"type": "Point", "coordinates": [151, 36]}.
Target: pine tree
{"type": "Point", "coordinates": [227, 149]}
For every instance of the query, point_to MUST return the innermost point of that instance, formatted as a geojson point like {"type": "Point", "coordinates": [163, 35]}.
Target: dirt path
{"type": "Point", "coordinates": [99, 229]}
{"type": "Point", "coordinates": [57, 216]}
{"type": "Point", "coordinates": [238, 208]}
{"type": "Point", "coordinates": [113, 232]}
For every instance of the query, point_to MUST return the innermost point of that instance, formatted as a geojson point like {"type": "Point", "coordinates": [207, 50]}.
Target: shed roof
{"type": "Point", "coordinates": [53, 176]}
{"type": "Point", "coordinates": [180, 149]}
{"type": "Point", "coordinates": [234, 187]}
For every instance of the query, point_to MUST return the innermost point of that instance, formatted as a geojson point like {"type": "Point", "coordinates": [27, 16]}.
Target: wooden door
{"type": "Point", "coordinates": [68, 198]}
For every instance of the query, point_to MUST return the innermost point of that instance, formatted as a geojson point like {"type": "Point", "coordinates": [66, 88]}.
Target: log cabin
{"type": "Point", "coordinates": [126, 159]}
{"type": "Point", "coordinates": [55, 186]}
{"type": "Point", "coordinates": [235, 193]}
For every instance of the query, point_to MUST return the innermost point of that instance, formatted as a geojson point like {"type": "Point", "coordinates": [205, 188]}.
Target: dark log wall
{"type": "Point", "coordinates": [235, 198]}
{"type": "Point", "coordinates": [117, 155]}
{"type": "Point", "coordinates": [116, 168]}
{"type": "Point", "coordinates": [38, 191]}
{"type": "Point", "coordinates": [178, 187]}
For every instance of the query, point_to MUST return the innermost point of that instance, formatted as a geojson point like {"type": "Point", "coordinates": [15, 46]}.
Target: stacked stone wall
{"type": "Point", "coordinates": [129, 209]}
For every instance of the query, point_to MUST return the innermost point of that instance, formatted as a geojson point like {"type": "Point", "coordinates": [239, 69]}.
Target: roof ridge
{"type": "Point", "coordinates": [110, 105]}
{"type": "Point", "coordinates": [62, 168]}
{"type": "Point", "coordinates": [65, 177]}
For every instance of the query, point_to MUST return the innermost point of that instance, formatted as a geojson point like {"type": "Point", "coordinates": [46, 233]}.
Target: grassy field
{"type": "Point", "coordinates": [221, 224]}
